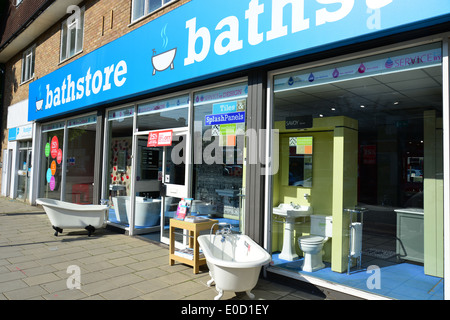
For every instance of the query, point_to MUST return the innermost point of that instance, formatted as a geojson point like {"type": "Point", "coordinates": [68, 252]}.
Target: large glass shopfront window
{"type": "Point", "coordinates": [219, 151]}
{"type": "Point", "coordinates": [67, 160]}
{"type": "Point", "coordinates": [162, 174]}
{"type": "Point", "coordinates": [51, 161]}
{"type": "Point", "coordinates": [117, 152]}
{"type": "Point", "coordinates": [80, 160]}
{"type": "Point", "coordinates": [144, 190]}
{"type": "Point", "coordinates": [361, 164]}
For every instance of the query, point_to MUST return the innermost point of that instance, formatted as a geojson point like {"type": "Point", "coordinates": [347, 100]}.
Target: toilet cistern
{"type": "Point", "coordinates": [290, 211]}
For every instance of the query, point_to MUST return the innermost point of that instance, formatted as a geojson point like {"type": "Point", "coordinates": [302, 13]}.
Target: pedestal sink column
{"type": "Point", "coordinates": [288, 251]}
{"type": "Point", "coordinates": [290, 213]}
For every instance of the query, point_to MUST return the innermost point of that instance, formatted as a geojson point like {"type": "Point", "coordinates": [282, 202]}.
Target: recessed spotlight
{"type": "Point", "coordinates": [333, 109]}
{"type": "Point", "coordinates": [363, 106]}
{"type": "Point", "coordinates": [396, 103]}
{"type": "Point", "coordinates": [321, 115]}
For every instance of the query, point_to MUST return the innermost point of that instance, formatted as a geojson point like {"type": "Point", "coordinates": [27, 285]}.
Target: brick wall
{"type": "Point", "coordinates": [104, 21]}
{"type": "Point", "coordinates": [13, 17]}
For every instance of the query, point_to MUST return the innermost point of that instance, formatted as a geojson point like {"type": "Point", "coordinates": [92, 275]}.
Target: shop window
{"type": "Point", "coordinates": [28, 64]}
{"type": "Point", "coordinates": [79, 182]}
{"type": "Point", "coordinates": [67, 160]}
{"type": "Point", "coordinates": [118, 172]}
{"type": "Point", "coordinates": [376, 128]}
{"type": "Point", "coordinates": [219, 144]}
{"type": "Point", "coordinates": [141, 8]}
{"type": "Point", "coordinates": [51, 161]}
{"type": "Point", "coordinates": [72, 33]}
{"type": "Point", "coordinates": [171, 113]}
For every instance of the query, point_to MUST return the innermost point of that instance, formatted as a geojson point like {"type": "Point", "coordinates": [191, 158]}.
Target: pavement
{"type": "Point", "coordinates": [36, 265]}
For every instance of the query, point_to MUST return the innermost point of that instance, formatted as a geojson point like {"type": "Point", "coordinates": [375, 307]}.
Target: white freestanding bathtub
{"type": "Point", "coordinates": [234, 262]}
{"type": "Point", "coordinates": [66, 215]}
{"type": "Point", "coordinates": [146, 211]}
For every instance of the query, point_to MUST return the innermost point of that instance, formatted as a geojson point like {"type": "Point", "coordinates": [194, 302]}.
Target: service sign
{"type": "Point", "coordinates": [193, 42]}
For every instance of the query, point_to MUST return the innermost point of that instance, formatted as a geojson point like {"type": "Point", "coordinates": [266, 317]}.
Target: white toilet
{"type": "Point", "coordinates": [321, 230]}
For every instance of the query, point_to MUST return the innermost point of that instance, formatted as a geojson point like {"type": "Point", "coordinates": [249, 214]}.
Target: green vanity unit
{"type": "Point", "coordinates": [410, 234]}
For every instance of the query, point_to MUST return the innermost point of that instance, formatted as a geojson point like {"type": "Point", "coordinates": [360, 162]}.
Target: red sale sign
{"type": "Point", "coordinates": [54, 146]}
{"type": "Point", "coordinates": [160, 138]}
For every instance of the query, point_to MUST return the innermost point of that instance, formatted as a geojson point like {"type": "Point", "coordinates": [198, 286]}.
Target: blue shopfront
{"type": "Point", "coordinates": [260, 108]}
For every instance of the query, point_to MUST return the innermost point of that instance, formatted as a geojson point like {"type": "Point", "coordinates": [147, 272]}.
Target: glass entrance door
{"type": "Point", "coordinates": [24, 170]}
{"type": "Point", "coordinates": [160, 183]}
{"type": "Point", "coordinates": [175, 177]}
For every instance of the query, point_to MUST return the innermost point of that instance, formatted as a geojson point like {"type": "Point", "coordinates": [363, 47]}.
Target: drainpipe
{"type": "Point", "coordinates": [2, 91]}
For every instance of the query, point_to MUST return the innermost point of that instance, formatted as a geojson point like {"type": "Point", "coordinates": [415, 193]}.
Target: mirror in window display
{"type": "Point", "coordinates": [377, 145]}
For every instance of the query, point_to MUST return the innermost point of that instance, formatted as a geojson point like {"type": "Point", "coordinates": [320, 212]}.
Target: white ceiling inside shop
{"type": "Point", "coordinates": [382, 96]}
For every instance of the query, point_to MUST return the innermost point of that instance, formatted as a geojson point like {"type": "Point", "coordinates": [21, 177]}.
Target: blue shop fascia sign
{"type": "Point", "coordinates": [203, 38]}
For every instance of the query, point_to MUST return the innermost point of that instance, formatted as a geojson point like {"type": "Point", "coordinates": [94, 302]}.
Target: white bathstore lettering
{"type": "Point", "coordinates": [71, 89]}
{"type": "Point", "coordinates": [228, 40]}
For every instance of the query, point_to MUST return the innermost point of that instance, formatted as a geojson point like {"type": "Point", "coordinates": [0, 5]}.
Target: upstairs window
{"type": "Point", "coordinates": [28, 64]}
{"type": "Point", "coordinates": [72, 31]}
{"type": "Point", "coordinates": [141, 8]}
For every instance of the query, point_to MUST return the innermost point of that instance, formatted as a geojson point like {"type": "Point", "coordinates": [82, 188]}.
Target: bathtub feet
{"type": "Point", "coordinates": [90, 229]}
{"type": "Point", "coordinates": [250, 295]}
{"type": "Point", "coordinates": [219, 295]}
{"type": "Point", "coordinates": [57, 230]}
{"type": "Point", "coordinates": [210, 282]}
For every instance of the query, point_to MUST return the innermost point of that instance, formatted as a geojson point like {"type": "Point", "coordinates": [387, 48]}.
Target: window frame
{"type": "Point", "coordinates": [28, 64]}
{"type": "Point", "coordinates": [147, 11]}
{"type": "Point", "coordinates": [66, 37]}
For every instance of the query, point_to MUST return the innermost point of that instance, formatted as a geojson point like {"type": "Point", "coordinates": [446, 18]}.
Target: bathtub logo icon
{"type": "Point", "coordinates": [39, 104]}
{"type": "Point", "coordinates": [164, 60]}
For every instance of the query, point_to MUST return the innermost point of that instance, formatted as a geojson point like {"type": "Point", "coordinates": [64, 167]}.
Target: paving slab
{"type": "Point", "coordinates": [35, 264]}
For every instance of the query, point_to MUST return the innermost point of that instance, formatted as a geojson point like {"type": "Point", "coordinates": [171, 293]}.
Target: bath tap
{"type": "Point", "coordinates": [225, 231]}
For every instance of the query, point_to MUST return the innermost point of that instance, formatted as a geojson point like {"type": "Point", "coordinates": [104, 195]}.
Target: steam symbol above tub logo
{"type": "Point", "coordinates": [164, 60]}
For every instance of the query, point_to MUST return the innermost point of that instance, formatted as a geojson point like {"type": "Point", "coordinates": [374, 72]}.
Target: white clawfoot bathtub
{"type": "Point", "coordinates": [234, 263]}
{"type": "Point", "coordinates": [66, 215]}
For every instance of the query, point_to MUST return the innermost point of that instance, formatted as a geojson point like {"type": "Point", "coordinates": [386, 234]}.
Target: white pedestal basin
{"type": "Point", "coordinates": [290, 212]}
